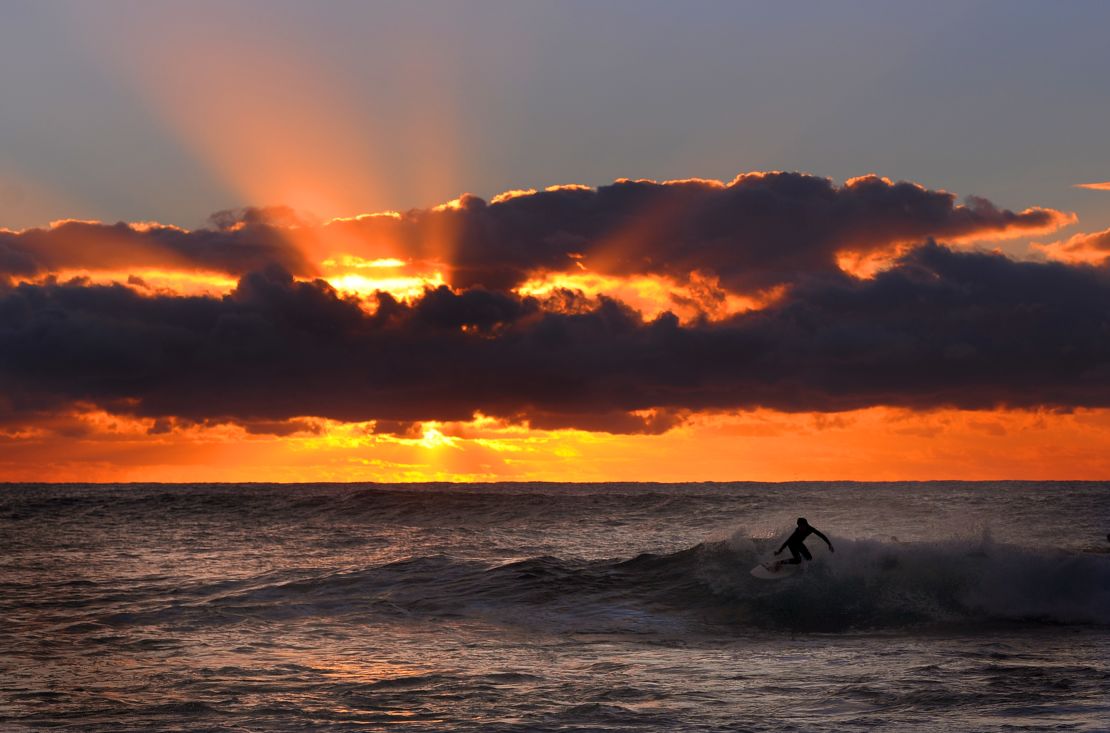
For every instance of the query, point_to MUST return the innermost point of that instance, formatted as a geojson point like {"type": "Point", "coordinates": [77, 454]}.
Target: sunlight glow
{"type": "Point", "coordinates": [454, 204]}
{"type": "Point", "coordinates": [363, 217]}
{"type": "Point", "coordinates": [762, 445]}
{"type": "Point", "coordinates": [147, 281]}
{"type": "Point", "coordinates": [651, 295]}
{"type": "Point", "coordinates": [433, 438]}
{"type": "Point", "coordinates": [358, 263]}
{"type": "Point", "coordinates": [513, 194]}
{"type": "Point", "coordinates": [400, 287]}
{"type": "Point", "coordinates": [866, 265]}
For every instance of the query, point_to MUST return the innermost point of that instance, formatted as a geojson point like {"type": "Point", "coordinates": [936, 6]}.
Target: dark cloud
{"type": "Point", "coordinates": [761, 230]}
{"type": "Point", "coordinates": [248, 243]}
{"type": "Point", "coordinates": [940, 328]}
{"type": "Point", "coordinates": [271, 216]}
{"type": "Point", "coordinates": [281, 427]}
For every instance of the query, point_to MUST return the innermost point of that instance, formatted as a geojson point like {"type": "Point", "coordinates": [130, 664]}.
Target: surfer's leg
{"type": "Point", "coordinates": [805, 552]}
{"type": "Point", "coordinates": [796, 559]}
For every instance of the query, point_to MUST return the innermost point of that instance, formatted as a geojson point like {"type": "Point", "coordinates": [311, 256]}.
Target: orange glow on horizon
{"type": "Point", "coordinates": [760, 445]}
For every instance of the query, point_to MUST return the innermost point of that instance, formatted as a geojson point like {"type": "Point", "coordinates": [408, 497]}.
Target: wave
{"type": "Point", "coordinates": [889, 584]}
{"type": "Point", "coordinates": [867, 585]}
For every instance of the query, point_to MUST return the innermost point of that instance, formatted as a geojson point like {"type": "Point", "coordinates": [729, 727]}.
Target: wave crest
{"type": "Point", "coordinates": [865, 585]}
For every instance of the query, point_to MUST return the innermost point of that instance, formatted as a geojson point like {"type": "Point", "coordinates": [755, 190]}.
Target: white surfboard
{"type": "Point", "coordinates": [772, 570]}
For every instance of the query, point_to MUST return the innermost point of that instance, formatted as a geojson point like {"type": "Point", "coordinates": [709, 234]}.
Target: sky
{"type": "Point", "coordinates": [569, 241]}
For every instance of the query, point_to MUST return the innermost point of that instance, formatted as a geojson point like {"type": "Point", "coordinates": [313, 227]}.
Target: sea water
{"type": "Point", "coordinates": [514, 607]}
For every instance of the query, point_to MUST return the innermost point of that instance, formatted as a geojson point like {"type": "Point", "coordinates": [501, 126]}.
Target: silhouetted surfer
{"type": "Point", "coordinates": [796, 543]}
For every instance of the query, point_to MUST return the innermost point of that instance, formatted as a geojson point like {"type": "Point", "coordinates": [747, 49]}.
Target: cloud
{"type": "Point", "coordinates": [267, 216]}
{"type": "Point", "coordinates": [937, 327]}
{"type": "Point", "coordinates": [239, 242]}
{"type": "Point", "coordinates": [1092, 248]}
{"type": "Point", "coordinates": [1100, 186]}
{"type": "Point", "coordinates": [759, 231]}
{"type": "Point", "coordinates": [941, 328]}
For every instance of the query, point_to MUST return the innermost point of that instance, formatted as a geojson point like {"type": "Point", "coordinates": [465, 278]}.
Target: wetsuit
{"type": "Point", "coordinates": [796, 544]}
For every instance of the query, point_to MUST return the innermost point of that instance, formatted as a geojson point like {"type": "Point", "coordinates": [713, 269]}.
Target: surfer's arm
{"type": "Point", "coordinates": [826, 539]}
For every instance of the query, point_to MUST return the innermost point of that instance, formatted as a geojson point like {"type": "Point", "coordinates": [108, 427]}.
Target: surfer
{"type": "Point", "coordinates": [797, 545]}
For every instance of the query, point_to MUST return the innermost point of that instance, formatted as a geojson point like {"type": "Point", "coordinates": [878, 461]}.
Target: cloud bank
{"type": "Point", "coordinates": [759, 231]}
{"type": "Point", "coordinates": [938, 327]}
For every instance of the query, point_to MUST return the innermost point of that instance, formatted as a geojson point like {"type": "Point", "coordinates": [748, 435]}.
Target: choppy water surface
{"type": "Point", "coordinates": [955, 606]}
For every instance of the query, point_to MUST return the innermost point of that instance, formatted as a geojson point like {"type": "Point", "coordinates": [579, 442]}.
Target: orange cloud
{"type": "Point", "coordinates": [1100, 186]}
{"type": "Point", "coordinates": [512, 194]}
{"type": "Point", "coordinates": [238, 242]}
{"type": "Point", "coordinates": [697, 297]}
{"type": "Point", "coordinates": [1088, 249]}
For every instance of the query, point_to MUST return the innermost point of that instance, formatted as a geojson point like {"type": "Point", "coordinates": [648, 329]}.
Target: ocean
{"type": "Point", "coordinates": [541, 607]}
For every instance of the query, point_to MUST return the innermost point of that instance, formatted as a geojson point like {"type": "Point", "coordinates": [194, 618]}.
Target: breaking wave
{"type": "Point", "coordinates": [866, 585]}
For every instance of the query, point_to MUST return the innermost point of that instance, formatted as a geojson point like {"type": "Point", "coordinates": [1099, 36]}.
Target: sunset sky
{"type": "Point", "coordinates": [566, 241]}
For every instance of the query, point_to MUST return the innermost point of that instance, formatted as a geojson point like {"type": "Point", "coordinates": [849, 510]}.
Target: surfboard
{"type": "Point", "coordinates": [771, 570]}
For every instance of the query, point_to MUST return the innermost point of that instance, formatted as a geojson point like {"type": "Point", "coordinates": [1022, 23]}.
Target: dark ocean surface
{"type": "Point", "coordinates": [519, 607]}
